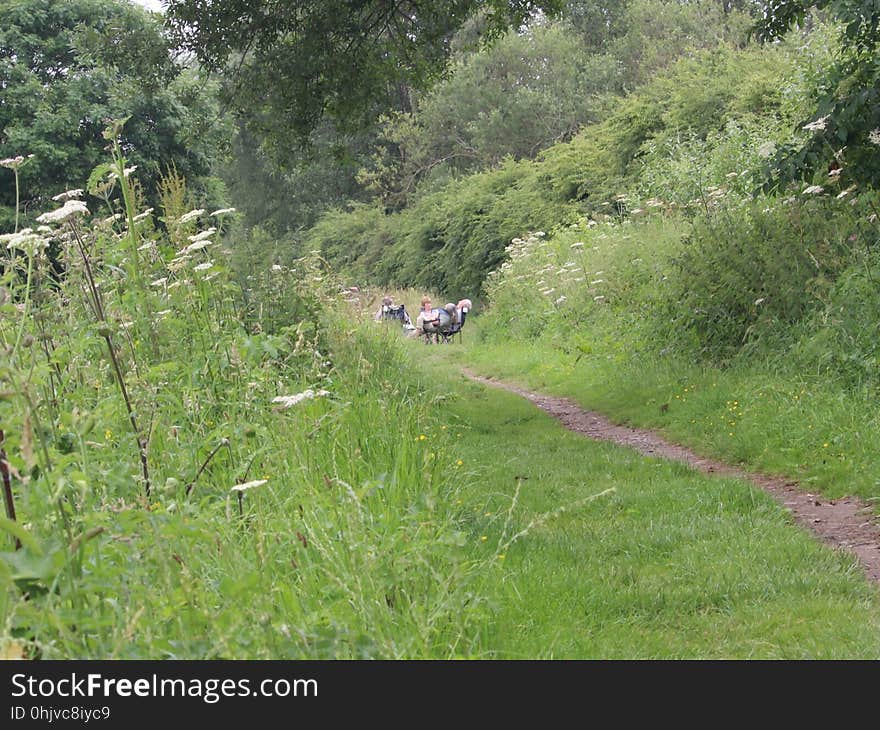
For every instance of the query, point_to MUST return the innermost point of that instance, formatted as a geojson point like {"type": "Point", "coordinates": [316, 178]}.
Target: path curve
{"type": "Point", "coordinates": [847, 523]}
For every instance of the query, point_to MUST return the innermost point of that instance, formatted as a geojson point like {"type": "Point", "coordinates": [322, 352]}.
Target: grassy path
{"type": "Point", "coordinates": [845, 523]}
{"type": "Point", "coordinates": [668, 564]}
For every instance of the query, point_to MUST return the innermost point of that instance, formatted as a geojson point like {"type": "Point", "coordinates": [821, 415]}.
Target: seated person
{"type": "Point", "coordinates": [387, 310]}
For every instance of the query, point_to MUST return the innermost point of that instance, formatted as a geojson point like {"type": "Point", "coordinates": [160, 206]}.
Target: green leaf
{"type": "Point", "coordinates": [16, 530]}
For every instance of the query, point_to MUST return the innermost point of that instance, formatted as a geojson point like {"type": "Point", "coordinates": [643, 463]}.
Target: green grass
{"type": "Point", "coordinates": [671, 564]}
{"type": "Point", "coordinates": [806, 427]}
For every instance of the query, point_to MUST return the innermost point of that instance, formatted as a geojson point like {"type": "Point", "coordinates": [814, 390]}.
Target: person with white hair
{"type": "Point", "coordinates": [388, 310]}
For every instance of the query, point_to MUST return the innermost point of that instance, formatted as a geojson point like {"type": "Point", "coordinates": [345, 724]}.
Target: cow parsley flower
{"type": "Point", "coordinates": [249, 485]}
{"type": "Point", "coordinates": [818, 125]}
{"type": "Point", "coordinates": [192, 215]}
{"type": "Point", "coordinates": [288, 401]}
{"type": "Point", "coordinates": [68, 210]}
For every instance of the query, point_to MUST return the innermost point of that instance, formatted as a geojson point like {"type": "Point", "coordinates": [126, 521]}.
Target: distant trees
{"type": "Point", "coordinates": [295, 62]}
{"type": "Point", "coordinates": [65, 67]}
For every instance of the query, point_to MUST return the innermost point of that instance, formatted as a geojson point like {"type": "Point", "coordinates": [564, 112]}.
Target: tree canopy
{"type": "Point", "coordinates": [65, 68]}
{"type": "Point", "coordinates": [291, 63]}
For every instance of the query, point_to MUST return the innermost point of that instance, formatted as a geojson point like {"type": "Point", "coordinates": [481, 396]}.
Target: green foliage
{"type": "Point", "coordinates": [527, 91]}
{"type": "Point", "coordinates": [844, 119]}
{"type": "Point", "coordinates": [285, 189]}
{"type": "Point", "coordinates": [65, 68]}
{"type": "Point", "coordinates": [198, 467]}
{"type": "Point", "coordinates": [677, 142]}
{"type": "Point", "coordinates": [658, 32]}
{"type": "Point", "coordinates": [777, 263]}
{"type": "Point", "coordinates": [295, 63]}
{"type": "Point", "coordinates": [449, 239]}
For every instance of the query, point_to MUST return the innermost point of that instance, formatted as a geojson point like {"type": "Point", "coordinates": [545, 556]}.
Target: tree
{"type": "Point", "coordinates": [529, 90]}
{"type": "Point", "coordinates": [294, 62]}
{"type": "Point", "coordinates": [844, 131]}
{"type": "Point", "coordinates": [65, 68]}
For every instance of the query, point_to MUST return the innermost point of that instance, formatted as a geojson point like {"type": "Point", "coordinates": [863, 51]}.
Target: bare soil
{"type": "Point", "coordinates": [846, 524]}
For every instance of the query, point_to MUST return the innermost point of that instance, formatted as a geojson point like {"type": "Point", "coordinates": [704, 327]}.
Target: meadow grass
{"type": "Point", "coordinates": [804, 426]}
{"type": "Point", "coordinates": [670, 564]}
{"type": "Point", "coordinates": [202, 467]}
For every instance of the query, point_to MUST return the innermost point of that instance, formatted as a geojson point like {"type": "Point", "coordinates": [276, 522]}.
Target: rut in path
{"type": "Point", "coordinates": [847, 524]}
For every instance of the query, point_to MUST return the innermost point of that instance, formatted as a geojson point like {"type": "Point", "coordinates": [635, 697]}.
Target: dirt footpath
{"type": "Point", "coordinates": [847, 523]}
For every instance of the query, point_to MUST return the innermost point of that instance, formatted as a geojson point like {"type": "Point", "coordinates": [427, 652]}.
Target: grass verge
{"type": "Point", "coordinates": [670, 564]}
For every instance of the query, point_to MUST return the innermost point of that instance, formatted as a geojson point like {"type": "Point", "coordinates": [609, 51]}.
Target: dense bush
{"type": "Point", "coordinates": [752, 271]}
{"type": "Point", "coordinates": [675, 140]}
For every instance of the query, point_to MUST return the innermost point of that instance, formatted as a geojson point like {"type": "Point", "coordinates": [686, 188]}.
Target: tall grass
{"type": "Point", "coordinates": [203, 471]}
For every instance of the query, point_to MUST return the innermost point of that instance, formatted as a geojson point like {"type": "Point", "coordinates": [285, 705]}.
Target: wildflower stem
{"type": "Point", "coordinates": [223, 442]}
{"type": "Point", "coordinates": [97, 307]}
{"type": "Point", "coordinates": [7, 486]}
{"type": "Point", "coordinates": [27, 299]}
{"type": "Point", "coordinates": [114, 359]}
{"type": "Point", "coordinates": [17, 199]}
{"type": "Point", "coordinates": [141, 443]}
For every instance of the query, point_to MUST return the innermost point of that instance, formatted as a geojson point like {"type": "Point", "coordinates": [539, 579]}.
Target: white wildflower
{"type": "Point", "coordinates": [759, 301]}
{"type": "Point", "coordinates": [159, 282]}
{"type": "Point", "coordinates": [288, 401]}
{"type": "Point", "coordinates": [112, 219]}
{"type": "Point", "coordinates": [814, 190]}
{"type": "Point", "coordinates": [67, 195]}
{"type": "Point", "coordinates": [140, 216]}
{"type": "Point", "coordinates": [874, 136]}
{"type": "Point", "coordinates": [197, 246]}
{"type": "Point", "coordinates": [68, 210]}
{"type": "Point", "coordinates": [818, 125]}
{"type": "Point", "coordinates": [766, 149]}
{"type": "Point", "coordinates": [579, 244]}
{"type": "Point", "coordinates": [560, 300]}
{"type": "Point", "coordinates": [249, 485]}
{"type": "Point", "coordinates": [13, 163]}
{"type": "Point", "coordinates": [193, 214]}
{"type": "Point", "coordinates": [146, 246]}
{"type": "Point", "coordinates": [25, 240]}
{"type": "Point", "coordinates": [222, 211]}
{"type": "Point", "coordinates": [599, 298]}
{"type": "Point", "coordinates": [203, 234]}
{"type": "Point", "coordinates": [203, 267]}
